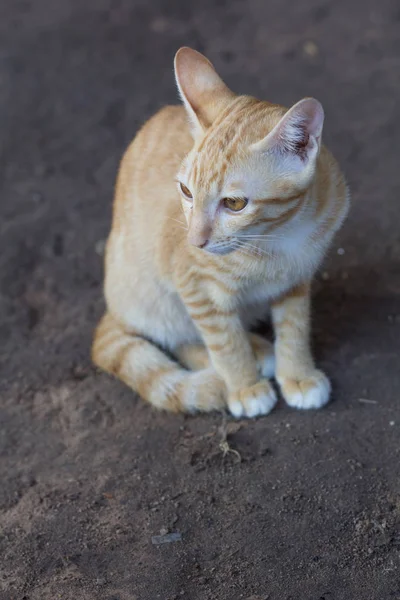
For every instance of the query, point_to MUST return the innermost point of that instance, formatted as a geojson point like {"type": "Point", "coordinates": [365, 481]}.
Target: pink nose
{"type": "Point", "coordinates": [198, 238]}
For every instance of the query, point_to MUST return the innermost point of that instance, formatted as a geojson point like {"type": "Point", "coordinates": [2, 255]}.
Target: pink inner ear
{"type": "Point", "coordinates": [293, 137]}
{"type": "Point", "coordinates": [303, 121]}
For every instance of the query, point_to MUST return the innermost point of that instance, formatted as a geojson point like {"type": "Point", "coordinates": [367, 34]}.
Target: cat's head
{"type": "Point", "coordinates": [251, 164]}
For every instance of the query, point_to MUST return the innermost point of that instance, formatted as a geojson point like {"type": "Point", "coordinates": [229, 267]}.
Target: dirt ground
{"type": "Point", "coordinates": [308, 507]}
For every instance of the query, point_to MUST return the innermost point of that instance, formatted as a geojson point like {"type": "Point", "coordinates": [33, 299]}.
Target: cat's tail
{"type": "Point", "coordinates": [150, 373]}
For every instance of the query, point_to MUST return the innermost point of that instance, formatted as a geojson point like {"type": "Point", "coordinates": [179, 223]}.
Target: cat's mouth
{"type": "Point", "coordinates": [220, 248]}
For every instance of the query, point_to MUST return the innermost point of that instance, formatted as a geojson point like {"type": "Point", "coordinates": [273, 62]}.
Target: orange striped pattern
{"type": "Point", "coordinates": [198, 303]}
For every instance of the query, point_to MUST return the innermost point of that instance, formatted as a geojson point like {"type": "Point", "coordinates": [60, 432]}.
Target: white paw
{"type": "Point", "coordinates": [310, 392]}
{"type": "Point", "coordinates": [256, 400]}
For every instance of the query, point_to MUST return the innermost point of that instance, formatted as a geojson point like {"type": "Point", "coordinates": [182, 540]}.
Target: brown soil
{"type": "Point", "coordinates": [307, 507]}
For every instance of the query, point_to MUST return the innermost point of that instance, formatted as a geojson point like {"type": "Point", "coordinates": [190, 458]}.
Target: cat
{"type": "Point", "coordinates": [224, 208]}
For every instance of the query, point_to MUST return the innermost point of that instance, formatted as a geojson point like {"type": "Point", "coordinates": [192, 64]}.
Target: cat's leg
{"type": "Point", "coordinates": [232, 356]}
{"type": "Point", "coordinates": [150, 373]}
{"type": "Point", "coordinates": [302, 385]}
{"type": "Point", "coordinates": [195, 356]}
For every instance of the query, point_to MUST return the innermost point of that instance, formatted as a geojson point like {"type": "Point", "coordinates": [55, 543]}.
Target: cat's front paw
{"type": "Point", "coordinates": [258, 399]}
{"type": "Point", "coordinates": [311, 392]}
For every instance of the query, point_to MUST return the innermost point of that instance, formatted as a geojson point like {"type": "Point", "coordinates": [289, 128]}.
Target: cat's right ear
{"type": "Point", "coordinates": [203, 92]}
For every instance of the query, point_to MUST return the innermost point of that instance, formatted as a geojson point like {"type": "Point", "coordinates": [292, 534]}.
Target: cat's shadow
{"type": "Point", "coordinates": [355, 308]}
{"type": "Point", "coordinates": [352, 308]}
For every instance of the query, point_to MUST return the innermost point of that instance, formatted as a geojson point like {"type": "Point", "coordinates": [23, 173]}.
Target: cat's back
{"type": "Point", "coordinates": [150, 163]}
{"type": "Point", "coordinates": [146, 199]}
{"type": "Point", "coordinates": [162, 141]}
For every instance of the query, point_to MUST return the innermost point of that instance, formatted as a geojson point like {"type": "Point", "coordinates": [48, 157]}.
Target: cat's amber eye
{"type": "Point", "coordinates": [235, 204]}
{"type": "Point", "coordinates": [185, 191]}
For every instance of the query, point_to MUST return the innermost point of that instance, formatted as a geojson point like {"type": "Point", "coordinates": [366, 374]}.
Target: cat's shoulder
{"type": "Point", "coordinates": [166, 130]}
{"type": "Point", "coordinates": [168, 117]}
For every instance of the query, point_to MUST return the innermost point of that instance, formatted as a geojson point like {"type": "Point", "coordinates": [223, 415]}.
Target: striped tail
{"type": "Point", "coordinates": [150, 373]}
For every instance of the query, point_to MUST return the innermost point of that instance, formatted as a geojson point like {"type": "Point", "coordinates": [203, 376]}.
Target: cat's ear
{"type": "Point", "coordinates": [296, 139]}
{"type": "Point", "coordinates": [203, 92]}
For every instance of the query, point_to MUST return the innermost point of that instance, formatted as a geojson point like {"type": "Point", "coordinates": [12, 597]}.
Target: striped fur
{"type": "Point", "coordinates": [186, 278]}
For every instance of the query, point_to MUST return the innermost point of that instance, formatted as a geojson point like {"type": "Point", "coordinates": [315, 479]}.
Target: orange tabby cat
{"type": "Point", "coordinates": [215, 223]}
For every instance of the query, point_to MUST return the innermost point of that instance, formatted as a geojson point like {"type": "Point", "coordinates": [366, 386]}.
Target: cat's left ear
{"type": "Point", "coordinates": [203, 92]}
{"type": "Point", "coordinates": [296, 139]}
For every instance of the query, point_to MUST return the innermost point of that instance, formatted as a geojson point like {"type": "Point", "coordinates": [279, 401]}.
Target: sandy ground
{"type": "Point", "coordinates": [89, 474]}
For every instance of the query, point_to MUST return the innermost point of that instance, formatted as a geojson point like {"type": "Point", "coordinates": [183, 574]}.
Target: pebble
{"type": "Point", "coordinates": [163, 531]}
{"type": "Point", "coordinates": [310, 48]}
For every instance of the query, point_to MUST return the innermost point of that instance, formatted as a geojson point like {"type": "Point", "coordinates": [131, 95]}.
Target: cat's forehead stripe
{"type": "Point", "coordinates": [215, 152]}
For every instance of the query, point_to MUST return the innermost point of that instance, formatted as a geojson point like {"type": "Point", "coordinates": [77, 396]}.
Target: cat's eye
{"type": "Point", "coordinates": [185, 191]}
{"type": "Point", "coordinates": [235, 204]}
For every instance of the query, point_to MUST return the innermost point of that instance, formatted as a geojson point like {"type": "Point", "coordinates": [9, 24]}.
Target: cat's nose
{"type": "Point", "coordinates": [198, 241]}
{"type": "Point", "coordinates": [199, 237]}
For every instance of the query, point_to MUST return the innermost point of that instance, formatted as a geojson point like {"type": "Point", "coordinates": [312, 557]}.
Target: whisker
{"type": "Point", "coordinates": [180, 222]}
{"type": "Point", "coordinates": [238, 245]}
{"type": "Point", "coordinates": [235, 243]}
{"type": "Point", "coordinates": [261, 236]}
{"type": "Point", "coordinates": [254, 249]}
{"type": "Point", "coordinates": [223, 244]}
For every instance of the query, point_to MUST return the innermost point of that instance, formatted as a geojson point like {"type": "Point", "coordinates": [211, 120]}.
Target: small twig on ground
{"type": "Point", "coordinates": [367, 401]}
{"type": "Point", "coordinates": [167, 538]}
{"type": "Point", "coordinates": [224, 444]}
